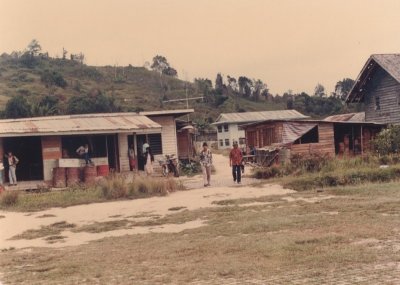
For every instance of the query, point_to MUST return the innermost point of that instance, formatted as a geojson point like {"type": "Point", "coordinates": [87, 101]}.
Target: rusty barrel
{"type": "Point", "coordinates": [103, 170]}
{"type": "Point", "coordinates": [89, 174]}
{"type": "Point", "coordinates": [73, 176]}
{"type": "Point", "coordinates": [59, 177]}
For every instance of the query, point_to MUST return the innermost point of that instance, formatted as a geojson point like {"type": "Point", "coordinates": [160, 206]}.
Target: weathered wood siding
{"type": "Point", "coordinates": [324, 145]}
{"type": "Point", "coordinates": [257, 135]}
{"type": "Point", "coordinates": [51, 152]}
{"type": "Point", "coordinates": [385, 87]}
{"type": "Point", "coordinates": [123, 152]}
{"type": "Point", "coordinates": [168, 134]}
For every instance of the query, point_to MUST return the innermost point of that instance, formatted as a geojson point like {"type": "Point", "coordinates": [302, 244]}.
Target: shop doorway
{"type": "Point", "coordinates": [29, 152]}
{"type": "Point", "coordinates": [112, 152]}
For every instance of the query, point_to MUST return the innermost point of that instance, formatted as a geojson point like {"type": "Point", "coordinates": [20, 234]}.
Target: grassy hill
{"type": "Point", "coordinates": [132, 87]}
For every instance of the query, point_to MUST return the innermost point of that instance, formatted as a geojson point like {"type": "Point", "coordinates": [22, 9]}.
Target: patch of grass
{"type": "Point", "coordinates": [98, 227]}
{"type": "Point", "coordinates": [176, 208]}
{"type": "Point", "coordinates": [54, 239]}
{"type": "Point", "coordinates": [2, 216]}
{"type": "Point", "coordinates": [45, 216]}
{"type": "Point", "coordinates": [44, 231]}
{"type": "Point", "coordinates": [9, 198]}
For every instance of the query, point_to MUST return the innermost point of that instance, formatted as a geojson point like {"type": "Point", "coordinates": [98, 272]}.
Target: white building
{"type": "Point", "coordinates": [227, 124]}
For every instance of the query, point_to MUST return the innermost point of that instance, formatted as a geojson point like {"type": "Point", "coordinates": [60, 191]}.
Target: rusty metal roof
{"type": "Point", "coordinates": [349, 117]}
{"type": "Point", "coordinates": [79, 124]}
{"type": "Point", "coordinates": [247, 117]}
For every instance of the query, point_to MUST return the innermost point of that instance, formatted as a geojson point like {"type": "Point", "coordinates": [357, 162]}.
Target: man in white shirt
{"type": "Point", "coordinates": [83, 151]}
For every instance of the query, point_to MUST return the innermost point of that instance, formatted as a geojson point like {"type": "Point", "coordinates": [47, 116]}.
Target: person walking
{"type": "Point", "coordinates": [12, 166]}
{"type": "Point", "coordinates": [149, 159]}
{"type": "Point", "coordinates": [235, 161]}
{"type": "Point", "coordinates": [206, 162]}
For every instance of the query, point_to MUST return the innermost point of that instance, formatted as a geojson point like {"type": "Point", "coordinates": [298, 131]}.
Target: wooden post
{"type": "Point", "coordinates": [136, 152]}
{"type": "Point", "coordinates": [362, 141]}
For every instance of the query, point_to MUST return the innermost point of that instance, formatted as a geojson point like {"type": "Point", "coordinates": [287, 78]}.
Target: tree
{"type": "Point", "coordinates": [34, 47]}
{"type": "Point", "coordinates": [259, 88]}
{"type": "Point", "coordinates": [17, 107]}
{"type": "Point", "coordinates": [343, 87]}
{"type": "Point", "coordinates": [64, 52]}
{"type": "Point", "coordinates": [219, 84]}
{"type": "Point", "coordinates": [161, 65]}
{"type": "Point", "coordinates": [319, 90]}
{"type": "Point", "coordinates": [245, 86]}
{"type": "Point", "coordinates": [94, 102]}
{"type": "Point", "coordinates": [47, 106]}
{"type": "Point", "coordinates": [232, 83]}
{"type": "Point", "coordinates": [388, 141]}
{"type": "Point", "coordinates": [51, 78]}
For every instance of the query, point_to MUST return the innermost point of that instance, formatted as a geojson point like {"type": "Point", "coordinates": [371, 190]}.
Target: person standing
{"type": "Point", "coordinates": [149, 159]}
{"type": "Point", "coordinates": [12, 166]}
{"type": "Point", "coordinates": [132, 157]}
{"type": "Point", "coordinates": [206, 162]}
{"type": "Point", "coordinates": [235, 161]}
{"type": "Point", "coordinates": [1, 174]}
{"type": "Point", "coordinates": [83, 151]}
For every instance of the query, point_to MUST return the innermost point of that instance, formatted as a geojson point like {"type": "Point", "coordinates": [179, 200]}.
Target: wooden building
{"type": "Point", "coordinates": [312, 136]}
{"type": "Point", "coordinates": [378, 87]}
{"type": "Point", "coordinates": [44, 143]}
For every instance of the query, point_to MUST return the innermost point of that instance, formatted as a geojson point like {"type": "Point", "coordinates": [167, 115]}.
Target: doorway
{"type": "Point", "coordinates": [29, 152]}
{"type": "Point", "coordinates": [112, 152]}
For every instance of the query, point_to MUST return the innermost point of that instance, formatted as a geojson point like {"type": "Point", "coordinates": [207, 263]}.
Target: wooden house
{"type": "Point", "coordinates": [335, 136]}
{"type": "Point", "coordinates": [227, 124]}
{"type": "Point", "coordinates": [378, 87]}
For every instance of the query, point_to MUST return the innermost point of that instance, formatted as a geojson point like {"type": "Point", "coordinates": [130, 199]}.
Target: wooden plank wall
{"type": "Point", "coordinates": [388, 89]}
{"type": "Point", "coordinates": [123, 152]}
{"type": "Point", "coordinates": [51, 152]}
{"type": "Point", "coordinates": [168, 134]}
{"type": "Point", "coordinates": [325, 144]}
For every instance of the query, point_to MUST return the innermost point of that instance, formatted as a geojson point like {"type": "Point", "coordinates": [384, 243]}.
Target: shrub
{"type": "Point", "coordinates": [387, 141]}
{"type": "Point", "coordinates": [190, 169]}
{"type": "Point", "coordinates": [266, 173]}
{"type": "Point", "coordinates": [9, 198]}
{"type": "Point", "coordinates": [114, 187]}
{"type": "Point", "coordinates": [117, 187]}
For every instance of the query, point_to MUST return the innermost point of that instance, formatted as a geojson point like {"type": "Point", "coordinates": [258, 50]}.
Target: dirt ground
{"type": "Point", "coordinates": [223, 234]}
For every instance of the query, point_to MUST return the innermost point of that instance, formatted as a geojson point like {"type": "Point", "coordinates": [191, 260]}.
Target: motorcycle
{"type": "Point", "coordinates": [169, 165]}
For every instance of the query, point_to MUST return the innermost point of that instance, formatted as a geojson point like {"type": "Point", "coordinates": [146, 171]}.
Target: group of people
{"type": "Point", "coordinates": [235, 162]}
{"type": "Point", "coordinates": [148, 158]}
{"type": "Point", "coordinates": [10, 163]}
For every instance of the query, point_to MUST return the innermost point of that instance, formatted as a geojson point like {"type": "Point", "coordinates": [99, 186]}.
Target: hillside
{"type": "Point", "coordinates": [133, 88]}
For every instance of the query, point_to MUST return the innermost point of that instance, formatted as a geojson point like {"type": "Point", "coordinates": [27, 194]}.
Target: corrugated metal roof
{"type": "Point", "coordinates": [389, 62]}
{"type": "Point", "coordinates": [247, 117]}
{"type": "Point", "coordinates": [78, 124]}
{"type": "Point", "coordinates": [350, 117]}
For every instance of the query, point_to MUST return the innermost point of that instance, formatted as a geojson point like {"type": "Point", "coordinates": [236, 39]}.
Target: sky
{"type": "Point", "coordinates": [288, 44]}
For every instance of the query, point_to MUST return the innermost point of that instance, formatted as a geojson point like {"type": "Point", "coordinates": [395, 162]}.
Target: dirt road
{"type": "Point", "coordinates": [141, 210]}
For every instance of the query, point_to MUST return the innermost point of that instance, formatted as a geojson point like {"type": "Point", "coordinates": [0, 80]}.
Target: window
{"type": "Point", "coordinates": [155, 143]}
{"type": "Point", "coordinates": [311, 136]}
{"type": "Point", "coordinates": [221, 142]}
{"type": "Point", "coordinates": [226, 128]}
{"type": "Point", "coordinates": [219, 129]}
{"type": "Point", "coordinates": [377, 103]}
{"type": "Point", "coordinates": [97, 145]}
{"type": "Point", "coordinates": [242, 141]}
{"type": "Point", "coordinates": [226, 142]}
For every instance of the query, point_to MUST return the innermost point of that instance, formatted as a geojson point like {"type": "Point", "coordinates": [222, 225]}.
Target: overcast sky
{"type": "Point", "coordinates": [289, 44]}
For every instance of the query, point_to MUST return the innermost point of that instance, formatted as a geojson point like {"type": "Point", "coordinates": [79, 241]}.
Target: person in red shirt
{"type": "Point", "coordinates": [235, 161]}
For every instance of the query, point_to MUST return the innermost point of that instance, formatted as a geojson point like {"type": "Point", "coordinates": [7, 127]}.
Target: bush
{"type": "Point", "coordinates": [266, 173]}
{"type": "Point", "coordinates": [387, 141]}
{"type": "Point", "coordinates": [190, 169]}
{"type": "Point", "coordinates": [9, 198]}
{"type": "Point", "coordinates": [117, 187]}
